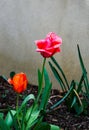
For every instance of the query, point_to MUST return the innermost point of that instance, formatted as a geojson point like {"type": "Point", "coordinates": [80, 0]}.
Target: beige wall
{"type": "Point", "coordinates": [24, 21]}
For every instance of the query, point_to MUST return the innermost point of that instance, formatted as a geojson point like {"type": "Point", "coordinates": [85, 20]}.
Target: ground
{"type": "Point", "coordinates": [60, 116]}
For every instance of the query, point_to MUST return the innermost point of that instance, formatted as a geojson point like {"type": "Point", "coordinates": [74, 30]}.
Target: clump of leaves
{"type": "Point", "coordinates": [76, 94]}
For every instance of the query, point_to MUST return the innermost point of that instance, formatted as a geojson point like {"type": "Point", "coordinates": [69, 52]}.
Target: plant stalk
{"type": "Point", "coordinates": [17, 107]}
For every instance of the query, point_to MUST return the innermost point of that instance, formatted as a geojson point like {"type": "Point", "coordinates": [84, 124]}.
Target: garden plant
{"type": "Point", "coordinates": [30, 113]}
{"type": "Point", "coordinates": [30, 117]}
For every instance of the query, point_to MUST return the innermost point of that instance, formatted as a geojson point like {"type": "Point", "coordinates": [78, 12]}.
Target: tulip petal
{"type": "Point", "coordinates": [49, 46]}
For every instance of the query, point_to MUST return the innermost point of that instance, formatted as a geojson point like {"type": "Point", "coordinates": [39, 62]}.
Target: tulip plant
{"type": "Point", "coordinates": [76, 94]}
{"type": "Point", "coordinates": [31, 118]}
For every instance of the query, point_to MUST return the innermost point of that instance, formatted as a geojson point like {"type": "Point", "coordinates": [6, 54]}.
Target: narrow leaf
{"type": "Point", "coordinates": [80, 84]}
{"type": "Point", "coordinates": [46, 91]}
{"type": "Point", "coordinates": [66, 95]}
{"type": "Point", "coordinates": [60, 69]}
{"type": "Point", "coordinates": [83, 69]}
{"type": "Point", "coordinates": [58, 77]}
{"type": "Point", "coordinates": [39, 80]}
{"type": "Point", "coordinates": [81, 61]}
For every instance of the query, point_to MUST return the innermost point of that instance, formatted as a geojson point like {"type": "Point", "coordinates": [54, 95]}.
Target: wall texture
{"type": "Point", "coordinates": [24, 21]}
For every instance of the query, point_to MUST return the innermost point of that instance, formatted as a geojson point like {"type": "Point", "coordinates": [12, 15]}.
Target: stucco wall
{"type": "Point", "coordinates": [24, 21]}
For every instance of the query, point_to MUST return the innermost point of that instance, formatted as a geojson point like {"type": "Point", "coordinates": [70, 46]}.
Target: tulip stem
{"type": "Point", "coordinates": [17, 102]}
{"type": "Point", "coordinates": [17, 106]}
{"type": "Point", "coordinates": [43, 71]}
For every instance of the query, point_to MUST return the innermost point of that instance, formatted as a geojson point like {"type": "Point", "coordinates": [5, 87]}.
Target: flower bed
{"type": "Point", "coordinates": [29, 107]}
{"type": "Point", "coordinates": [61, 116]}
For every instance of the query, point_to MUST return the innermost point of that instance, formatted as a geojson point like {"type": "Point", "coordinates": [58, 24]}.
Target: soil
{"type": "Point", "coordinates": [61, 116]}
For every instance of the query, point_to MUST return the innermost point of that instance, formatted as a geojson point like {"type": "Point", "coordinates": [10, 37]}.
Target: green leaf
{"type": "Point", "coordinates": [58, 77]}
{"type": "Point", "coordinates": [81, 60]}
{"type": "Point", "coordinates": [46, 77]}
{"type": "Point", "coordinates": [79, 109]}
{"type": "Point", "coordinates": [80, 84]}
{"type": "Point", "coordinates": [3, 125]}
{"type": "Point", "coordinates": [1, 115]}
{"type": "Point", "coordinates": [32, 118]}
{"type": "Point", "coordinates": [21, 112]}
{"type": "Point", "coordinates": [66, 95]}
{"type": "Point", "coordinates": [78, 105]}
{"type": "Point", "coordinates": [23, 124]}
{"type": "Point", "coordinates": [54, 127]}
{"type": "Point", "coordinates": [60, 69]}
{"type": "Point", "coordinates": [31, 110]}
{"type": "Point", "coordinates": [9, 119]}
{"type": "Point", "coordinates": [74, 101]}
{"type": "Point", "coordinates": [83, 70]}
{"type": "Point", "coordinates": [15, 123]}
{"type": "Point", "coordinates": [29, 97]}
{"type": "Point", "coordinates": [37, 125]}
{"type": "Point", "coordinates": [42, 126]}
{"type": "Point", "coordinates": [39, 80]}
{"type": "Point", "coordinates": [46, 91]}
{"type": "Point", "coordinates": [77, 90]}
{"type": "Point", "coordinates": [46, 126]}
{"type": "Point", "coordinates": [32, 115]}
{"type": "Point", "coordinates": [77, 96]}
{"type": "Point", "coordinates": [5, 79]}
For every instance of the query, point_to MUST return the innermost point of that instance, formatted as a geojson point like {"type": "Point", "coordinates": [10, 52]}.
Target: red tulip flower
{"type": "Point", "coordinates": [19, 82]}
{"type": "Point", "coordinates": [49, 46]}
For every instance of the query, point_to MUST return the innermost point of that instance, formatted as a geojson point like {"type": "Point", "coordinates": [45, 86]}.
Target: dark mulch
{"type": "Point", "coordinates": [61, 116]}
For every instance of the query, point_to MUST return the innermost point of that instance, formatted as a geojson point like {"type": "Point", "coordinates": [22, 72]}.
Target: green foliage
{"type": "Point", "coordinates": [77, 93]}
{"type": "Point", "coordinates": [30, 117]}
{"type": "Point", "coordinates": [3, 125]}
{"type": "Point", "coordinates": [46, 91]}
{"type": "Point", "coordinates": [65, 96]}
{"type": "Point", "coordinates": [9, 119]}
{"type": "Point", "coordinates": [46, 126]}
{"type": "Point", "coordinates": [76, 97]}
